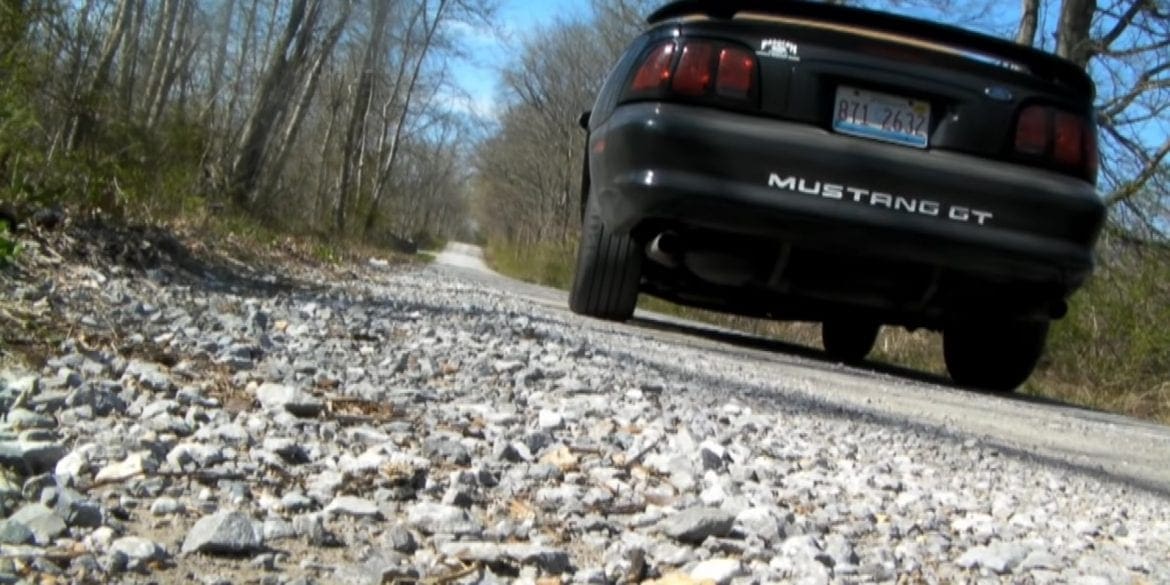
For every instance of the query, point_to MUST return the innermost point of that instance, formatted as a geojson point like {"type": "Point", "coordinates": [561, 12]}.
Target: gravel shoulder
{"type": "Point", "coordinates": [380, 423]}
{"type": "Point", "coordinates": [1109, 446]}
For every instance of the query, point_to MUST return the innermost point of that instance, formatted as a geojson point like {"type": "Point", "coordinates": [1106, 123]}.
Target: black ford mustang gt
{"type": "Point", "coordinates": [802, 161]}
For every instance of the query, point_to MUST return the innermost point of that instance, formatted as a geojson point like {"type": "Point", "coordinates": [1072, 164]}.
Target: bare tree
{"type": "Point", "coordinates": [289, 82]}
{"type": "Point", "coordinates": [1129, 53]}
{"type": "Point", "coordinates": [1029, 22]}
{"type": "Point", "coordinates": [83, 116]}
{"type": "Point", "coordinates": [353, 149]}
{"type": "Point", "coordinates": [388, 153]}
{"type": "Point", "coordinates": [228, 94]}
{"type": "Point", "coordinates": [530, 171]}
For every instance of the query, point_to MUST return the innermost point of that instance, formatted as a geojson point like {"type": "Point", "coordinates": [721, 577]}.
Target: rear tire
{"type": "Point", "coordinates": [997, 355]}
{"type": "Point", "coordinates": [609, 270]}
{"type": "Point", "coordinates": [849, 341]}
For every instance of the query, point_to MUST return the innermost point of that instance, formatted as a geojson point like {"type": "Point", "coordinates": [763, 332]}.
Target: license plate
{"type": "Point", "coordinates": [881, 116]}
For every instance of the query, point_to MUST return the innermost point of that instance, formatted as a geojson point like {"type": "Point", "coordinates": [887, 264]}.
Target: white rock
{"type": "Point", "coordinates": [721, 571]}
{"type": "Point", "coordinates": [442, 519]}
{"type": "Point", "coordinates": [138, 549]}
{"type": "Point", "coordinates": [134, 465]}
{"type": "Point", "coordinates": [761, 522]}
{"type": "Point", "coordinates": [165, 506]}
{"type": "Point", "coordinates": [197, 453]}
{"type": "Point", "coordinates": [998, 557]}
{"type": "Point", "coordinates": [713, 495]}
{"type": "Point", "coordinates": [507, 366]}
{"type": "Point", "coordinates": [230, 533]}
{"type": "Point", "coordinates": [287, 398]}
{"type": "Point", "coordinates": [73, 465]}
{"type": "Point", "coordinates": [353, 506]}
{"type": "Point", "coordinates": [549, 420]}
{"type": "Point", "coordinates": [100, 539]}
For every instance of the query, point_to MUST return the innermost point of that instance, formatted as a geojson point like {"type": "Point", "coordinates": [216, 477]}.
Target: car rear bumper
{"type": "Point", "coordinates": [665, 164]}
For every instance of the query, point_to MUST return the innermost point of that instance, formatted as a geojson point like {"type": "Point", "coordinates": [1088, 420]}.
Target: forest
{"type": "Point", "coordinates": [325, 117]}
{"type": "Point", "coordinates": [338, 120]}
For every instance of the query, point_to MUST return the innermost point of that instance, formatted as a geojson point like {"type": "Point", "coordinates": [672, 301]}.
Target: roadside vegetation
{"type": "Point", "coordinates": [7, 244]}
{"type": "Point", "coordinates": [1112, 352]}
{"type": "Point", "coordinates": [263, 119]}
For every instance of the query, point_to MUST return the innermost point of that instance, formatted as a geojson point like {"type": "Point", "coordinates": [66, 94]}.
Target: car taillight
{"type": "Point", "coordinates": [656, 70]}
{"type": "Point", "coordinates": [1033, 130]}
{"type": "Point", "coordinates": [693, 76]}
{"type": "Point", "coordinates": [1060, 138]}
{"type": "Point", "coordinates": [737, 73]}
{"type": "Point", "coordinates": [1092, 155]}
{"type": "Point", "coordinates": [702, 70]}
{"type": "Point", "coordinates": [1068, 142]}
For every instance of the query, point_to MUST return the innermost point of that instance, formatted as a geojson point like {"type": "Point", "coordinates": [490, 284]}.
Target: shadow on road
{"type": "Point", "coordinates": [818, 360]}
{"type": "Point", "coordinates": [825, 363]}
{"type": "Point", "coordinates": [909, 394]}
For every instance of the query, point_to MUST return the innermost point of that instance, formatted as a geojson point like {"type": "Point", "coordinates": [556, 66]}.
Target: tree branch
{"type": "Point", "coordinates": [1122, 23]}
{"type": "Point", "coordinates": [1132, 188]}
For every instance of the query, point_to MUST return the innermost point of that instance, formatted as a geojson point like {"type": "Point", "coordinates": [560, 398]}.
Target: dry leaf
{"type": "Point", "coordinates": [561, 457]}
{"type": "Point", "coordinates": [520, 510]}
{"type": "Point", "coordinates": [358, 408]}
{"type": "Point", "coordinates": [397, 473]}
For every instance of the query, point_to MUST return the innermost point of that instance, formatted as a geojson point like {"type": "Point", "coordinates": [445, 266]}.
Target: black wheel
{"type": "Point", "coordinates": [609, 270]}
{"type": "Point", "coordinates": [993, 355]}
{"type": "Point", "coordinates": [849, 341]}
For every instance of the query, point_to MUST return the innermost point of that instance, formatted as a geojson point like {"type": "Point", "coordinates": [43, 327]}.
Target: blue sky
{"type": "Point", "coordinates": [477, 75]}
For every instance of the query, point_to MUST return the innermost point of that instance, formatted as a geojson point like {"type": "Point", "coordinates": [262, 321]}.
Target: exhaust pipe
{"type": "Point", "coordinates": [664, 249]}
{"type": "Point", "coordinates": [1058, 310]}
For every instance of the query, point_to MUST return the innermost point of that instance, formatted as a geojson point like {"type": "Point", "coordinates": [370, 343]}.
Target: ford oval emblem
{"type": "Point", "coordinates": [999, 94]}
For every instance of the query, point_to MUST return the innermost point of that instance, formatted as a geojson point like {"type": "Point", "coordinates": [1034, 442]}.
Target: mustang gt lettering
{"type": "Point", "coordinates": [879, 199]}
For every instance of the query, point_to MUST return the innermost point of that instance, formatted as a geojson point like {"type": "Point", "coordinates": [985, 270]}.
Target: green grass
{"type": "Point", "coordinates": [1111, 353]}
{"type": "Point", "coordinates": [550, 264]}
{"type": "Point", "coordinates": [1113, 350]}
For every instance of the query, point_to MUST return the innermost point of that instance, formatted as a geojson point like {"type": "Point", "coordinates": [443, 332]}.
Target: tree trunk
{"type": "Point", "coordinates": [271, 99]}
{"type": "Point", "coordinates": [321, 191]}
{"type": "Point", "coordinates": [172, 63]}
{"type": "Point", "coordinates": [242, 62]}
{"type": "Point", "coordinates": [388, 167]}
{"type": "Point", "coordinates": [387, 107]}
{"type": "Point", "coordinates": [129, 68]}
{"type": "Point", "coordinates": [353, 151]}
{"type": "Point", "coordinates": [1029, 21]}
{"type": "Point", "coordinates": [218, 66]}
{"type": "Point", "coordinates": [1074, 41]}
{"type": "Point", "coordinates": [161, 52]}
{"type": "Point", "coordinates": [308, 92]}
{"type": "Point", "coordinates": [64, 134]}
{"type": "Point", "coordinates": [83, 118]}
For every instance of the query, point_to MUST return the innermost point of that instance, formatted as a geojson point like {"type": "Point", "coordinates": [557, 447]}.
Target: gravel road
{"type": "Point", "coordinates": [443, 424]}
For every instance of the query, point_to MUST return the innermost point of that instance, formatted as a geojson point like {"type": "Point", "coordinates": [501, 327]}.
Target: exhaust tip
{"type": "Point", "coordinates": [1058, 310]}
{"type": "Point", "coordinates": [665, 249]}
